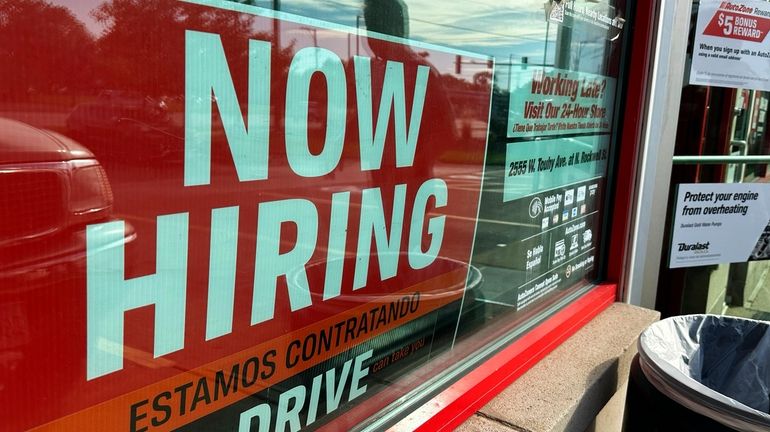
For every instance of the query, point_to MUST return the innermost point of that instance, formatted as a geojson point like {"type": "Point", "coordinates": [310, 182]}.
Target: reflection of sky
{"type": "Point", "coordinates": [508, 31]}
{"type": "Point", "coordinates": [481, 26]}
{"type": "Point", "coordinates": [82, 10]}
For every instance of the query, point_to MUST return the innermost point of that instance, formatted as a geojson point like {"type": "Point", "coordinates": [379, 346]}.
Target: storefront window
{"type": "Point", "coordinates": [275, 215]}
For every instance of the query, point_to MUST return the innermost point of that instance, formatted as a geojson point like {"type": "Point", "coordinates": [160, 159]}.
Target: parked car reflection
{"type": "Point", "coordinates": [51, 188]}
{"type": "Point", "coordinates": [118, 122]}
{"type": "Point", "coordinates": [464, 287]}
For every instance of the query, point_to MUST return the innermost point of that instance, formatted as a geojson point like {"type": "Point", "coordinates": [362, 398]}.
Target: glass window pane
{"type": "Point", "coordinates": [220, 215]}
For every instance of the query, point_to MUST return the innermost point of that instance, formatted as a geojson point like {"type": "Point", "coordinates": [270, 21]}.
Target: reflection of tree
{"type": "Point", "coordinates": [459, 88]}
{"type": "Point", "coordinates": [482, 78]}
{"type": "Point", "coordinates": [481, 81]}
{"type": "Point", "coordinates": [44, 48]}
{"type": "Point", "coordinates": [142, 46]}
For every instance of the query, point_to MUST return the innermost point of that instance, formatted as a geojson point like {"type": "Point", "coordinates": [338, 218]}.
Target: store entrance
{"type": "Point", "coordinates": [721, 138]}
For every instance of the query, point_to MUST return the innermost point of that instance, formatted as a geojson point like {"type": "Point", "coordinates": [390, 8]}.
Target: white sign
{"type": "Point", "coordinates": [719, 223]}
{"type": "Point", "coordinates": [731, 45]}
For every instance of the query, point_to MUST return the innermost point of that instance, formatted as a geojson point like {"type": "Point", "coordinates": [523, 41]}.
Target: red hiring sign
{"type": "Point", "coordinates": [270, 206]}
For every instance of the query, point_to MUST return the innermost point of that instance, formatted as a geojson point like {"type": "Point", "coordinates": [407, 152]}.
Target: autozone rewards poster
{"type": "Point", "coordinates": [719, 223]}
{"type": "Point", "coordinates": [731, 46]}
{"type": "Point", "coordinates": [290, 254]}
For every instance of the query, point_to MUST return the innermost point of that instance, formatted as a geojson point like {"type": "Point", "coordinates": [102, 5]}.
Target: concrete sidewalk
{"type": "Point", "coordinates": [580, 386]}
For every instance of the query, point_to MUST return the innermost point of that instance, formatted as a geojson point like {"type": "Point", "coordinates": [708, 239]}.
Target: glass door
{"type": "Point", "coordinates": [721, 139]}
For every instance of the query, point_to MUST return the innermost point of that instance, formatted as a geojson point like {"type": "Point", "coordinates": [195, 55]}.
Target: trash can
{"type": "Point", "coordinates": [701, 373]}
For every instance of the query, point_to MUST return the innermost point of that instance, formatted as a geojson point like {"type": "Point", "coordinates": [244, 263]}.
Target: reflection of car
{"type": "Point", "coordinates": [444, 294]}
{"type": "Point", "coordinates": [125, 118]}
{"type": "Point", "coordinates": [454, 307]}
{"type": "Point", "coordinates": [113, 107]}
{"type": "Point", "coordinates": [51, 187]}
{"type": "Point", "coordinates": [450, 296]}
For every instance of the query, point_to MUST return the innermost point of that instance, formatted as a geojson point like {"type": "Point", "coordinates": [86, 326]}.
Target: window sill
{"type": "Point", "coordinates": [569, 388]}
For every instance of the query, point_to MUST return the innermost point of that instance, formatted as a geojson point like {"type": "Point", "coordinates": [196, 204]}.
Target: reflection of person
{"type": "Point", "coordinates": [391, 17]}
{"type": "Point", "coordinates": [437, 132]}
